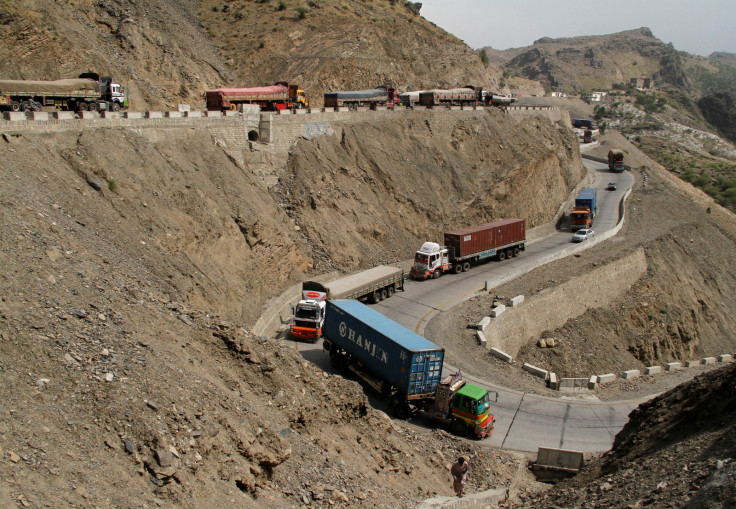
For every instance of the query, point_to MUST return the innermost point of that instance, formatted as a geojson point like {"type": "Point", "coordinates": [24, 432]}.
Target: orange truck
{"type": "Point", "coordinates": [585, 209]}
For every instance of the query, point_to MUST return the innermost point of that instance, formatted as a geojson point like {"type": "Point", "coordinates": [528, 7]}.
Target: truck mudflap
{"type": "Point", "coordinates": [485, 429]}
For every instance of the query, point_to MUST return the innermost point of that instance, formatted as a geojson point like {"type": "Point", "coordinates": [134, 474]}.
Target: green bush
{"type": "Point", "coordinates": [301, 12]}
{"type": "Point", "coordinates": [281, 6]}
{"type": "Point", "coordinates": [112, 186]}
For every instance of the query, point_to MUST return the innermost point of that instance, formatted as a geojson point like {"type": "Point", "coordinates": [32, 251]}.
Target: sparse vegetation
{"type": "Point", "coordinates": [301, 12]}
{"type": "Point", "coordinates": [112, 186]}
{"type": "Point", "coordinates": [484, 57]}
{"type": "Point", "coordinates": [281, 6]}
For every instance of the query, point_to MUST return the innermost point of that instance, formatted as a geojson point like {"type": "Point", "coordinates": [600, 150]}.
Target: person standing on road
{"type": "Point", "coordinates": [459, 471]}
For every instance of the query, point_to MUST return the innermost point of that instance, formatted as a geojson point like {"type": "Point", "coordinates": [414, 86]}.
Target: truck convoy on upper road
{"type": "Point", "coordinates": [280, 96]}
{"type": "Point", "coordinates": [500, 240]}
{"type": "Point", "coordinates": [616, 160]}
{"type": "Point", "coordinates": [373, 285]}
{"type": "Point", "coordinates": [404, 366]}
{"type": "Point", "coordinates": [89, 92]}
{"type": "Point", "coordinates": [585, 209]}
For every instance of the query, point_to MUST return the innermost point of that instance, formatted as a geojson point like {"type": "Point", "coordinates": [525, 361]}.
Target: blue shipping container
{"type": "Point", "coordinates": [393, 353]}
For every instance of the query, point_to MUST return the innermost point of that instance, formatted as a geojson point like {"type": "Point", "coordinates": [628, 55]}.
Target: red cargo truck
{"type": "Point", "coordinates": [498, 240]}
{"type": "Point", "coordinates": [281, 96]}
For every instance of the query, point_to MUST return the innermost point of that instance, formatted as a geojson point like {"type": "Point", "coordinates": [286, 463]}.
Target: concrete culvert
{"type": "Point", "coordinates": [252, 135]}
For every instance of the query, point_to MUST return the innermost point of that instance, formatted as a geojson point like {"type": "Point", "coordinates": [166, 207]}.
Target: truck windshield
{"type": "Point", "coordinates": [580, 215]}
{"type": "Point", "coordinates": [421, 258]}
{"type": "Point", "coordinates": [307, 313]}
{"type": "Point", "coordinates": [483, 404]}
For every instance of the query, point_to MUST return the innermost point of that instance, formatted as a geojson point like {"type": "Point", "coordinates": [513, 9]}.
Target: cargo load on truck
{"type": "Point", "coordinates": [584, 123]}
{"type": "Point", "coordinates": [89, 92]}
{"type": "Point", "coordinates": [616, 160]}
{"type": "Point", "coordinates": [465, 96]}
{"type": "Point", "coordinates": [403, 366]}
{"type": "Point", "coordinates": [372, 285]}
{"type": "Point", "coordinates": [585, 209]}
{"type": "Point", "coordinates": [462, 248]}
{"type": "Point", "coordinates": [280, 96]}
{"type": "Point", "coordinates": [374, 97]}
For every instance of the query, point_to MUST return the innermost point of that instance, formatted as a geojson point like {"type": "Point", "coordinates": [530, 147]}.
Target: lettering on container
{"type": "Point", "coordinates": [366, 344]}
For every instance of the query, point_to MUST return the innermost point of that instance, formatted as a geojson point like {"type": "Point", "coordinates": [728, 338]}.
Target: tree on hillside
{"type": "Point", "coordinates": [720, 110]}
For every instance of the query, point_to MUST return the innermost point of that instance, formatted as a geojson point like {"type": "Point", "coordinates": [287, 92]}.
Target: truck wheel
{"type": "Point", "coordinates": [436, 274]}
{"type": "Point", "coordinates": [516, 251]}
{"type": "Point", "coordinates": [466, 266]}
{"type": "Point", "coordinates": [501, 256]}
{"type": "Point", "coordinates": [116, 106]}
{"type": "Point", "coordinates": [402, 410]}
{"type": "Point", "coordinates": [459, 427]}
{"type": "Point", "coordinates": [457, 268]}
{"type": "Point", "coordinates": [14, 106]}
{"type": "Point", "coordinates": [92, 106]}
{"type": "Point", "coordinates": [390, 291]}
{"type": "Point", "coordinates": [82, 106]}
{"type": "Point", "coordinates": [26, 106]}
{"type": "Point", "coordinates": [384, 294]}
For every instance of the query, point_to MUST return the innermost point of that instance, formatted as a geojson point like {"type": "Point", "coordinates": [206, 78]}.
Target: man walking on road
{"type": "Point", "coordinates": [459, 471]}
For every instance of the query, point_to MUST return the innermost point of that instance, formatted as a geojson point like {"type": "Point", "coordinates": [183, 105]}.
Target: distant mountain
{"type": "Point", "coordinates": [598, 62]}
{"type": "Point", "coordinates": [723, 57]}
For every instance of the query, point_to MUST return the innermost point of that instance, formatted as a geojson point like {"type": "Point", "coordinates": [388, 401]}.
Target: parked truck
{"type": "Point", "coordinates": [372, 285]}
{"type": "Point", "coordinates": [498, 240]}
{"type": "Point", "coordinates": [585, 209]}
{"type": "Point", "coordinates": [280, 96]}
{"type": "Point", "coordinates": [89, 92]}
{"type": "Point", "coordinates": [372, 98]}
{"type": "Point", "coordinates": [584, 123]}
{"type": "Point", "coordinates": [405, 367]}
{"type": "Point", "coordinates": [616, 160]}
{"type": "Point", "coordinates": [465, 96]}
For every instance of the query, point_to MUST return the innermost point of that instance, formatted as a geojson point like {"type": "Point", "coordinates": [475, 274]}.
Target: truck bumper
{"type": "Point", "coordinates": [418, 275]}
{"type": "Point", "coordinates": [305, 334]}
{"type": "Point", "coordinates": [485, 428]}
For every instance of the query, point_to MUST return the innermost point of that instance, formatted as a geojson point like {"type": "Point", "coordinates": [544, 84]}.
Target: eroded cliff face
{"type": "Point", "coordinates": [373, 193]}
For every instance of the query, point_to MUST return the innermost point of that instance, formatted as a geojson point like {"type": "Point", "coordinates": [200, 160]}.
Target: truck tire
{"type": "Point", "coordinates": [501, 256]}
{"type": "Point", "coordinates": [466, 266]}
{"type": "Point", "coordinates": [390, 291]}
{"type": "Point", "coordinates": [457, 268]}
{"type": "Point", "coordinates": [92, 106]}
{"type": "Point", "coordinates": [384, 294]}
{"type": "Point", "coordinates": [436, 274]}
{"type": "Point", "coordinates": [402, 410]}
{"type": "Point", "coordinates": [516, 251]}
{"type": "Point", "coordinates": [82, 106]}
{"type": "Point", "coordinates": [459, 427]}
{"type": "Point", "coordinates": [115, 106]}
{"type": "Point", "coordinates": [14, 106]}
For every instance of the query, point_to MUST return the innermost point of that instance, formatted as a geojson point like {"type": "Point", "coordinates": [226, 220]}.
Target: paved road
{"type": "Point", "coordinates": [524, 422]}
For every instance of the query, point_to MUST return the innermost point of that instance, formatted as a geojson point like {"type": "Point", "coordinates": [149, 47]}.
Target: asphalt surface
{"type": "Point", "coordinates": [524, 422]}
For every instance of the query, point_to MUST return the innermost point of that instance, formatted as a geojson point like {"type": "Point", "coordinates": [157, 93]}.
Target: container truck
{"type": "Point", "coordinates": [583, 123]}
{"type": "Point", "coordinates": [372, 285]}
{"type": "Point", "coordinates": [585, 209]}
{"type": "Point", "coordinates": [280, 96]}
{"type": "Point", "coordinates": [465, 96]}
{"type": "Point", "coordinates": [380, 96]}
{"type": "Point", "coordinates": [500, 240]}
{"type": "Point", "coordinates": [405, 367]}
{"type": "Point", "coordinates": [89, 92]}
{"type": "Point", "coordinates": [616, 161]}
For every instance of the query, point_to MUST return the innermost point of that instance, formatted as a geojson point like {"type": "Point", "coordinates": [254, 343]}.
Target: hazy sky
{"type": "Point", "coordinates": [698, 27]}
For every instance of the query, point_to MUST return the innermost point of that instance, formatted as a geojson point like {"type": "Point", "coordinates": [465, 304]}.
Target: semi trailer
{"type": "Point", "coordinates": [372, 285]}
{"type": "Point", "coordinates": [497, 240]}
{"type": "Point", "coordinates": [585, 209]}
{"type": "Point", "coordinates": [280, 96]}
{"type": "Point", "coordinates": [405, 367]}
{"type": "Point", "coordinates": [89, 92]}
{"type": "Point", "coordinates": [374, 97]}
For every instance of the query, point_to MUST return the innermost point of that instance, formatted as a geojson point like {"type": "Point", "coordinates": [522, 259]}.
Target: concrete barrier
{"type": "Point", "coordinates": [593, 383]}
{"type": "Point", "coordinates": [501, 355]}
{"type": "Point", "coordinates": [653, 370]}
{"type": "Point", "coordinates": [672, 366]}
{"type": "Point", "coordinates": [111, 114]}
{"type": "Point", "coordinates": [516, 301]}
{"type": "Point", "coordinates": [692, 364]}
{"type": "Point", "coordinates": [175, 114]}
{"type": "Point", "coordinates": [632, 373]}
{"type": "Point", "coordinates": [154, 114]}
{"type": "Point", "coordinates": [40, 116]}
{"type": "Point", "coordinates": [556, 464]}
{"type": "Point", "coordinates": [480, 338]}
{"type": "Point", "coordinates": [133, 114]}
{"type": "Point", "coordinates": [483, 323]}
{"type": "Point", "coordinates": [64, 115]}
{"type": "Point", "coordinates": [193, 114]}
{"type": "Point", "coordinates": [216, 114]}
{"type": "Point", "coordinates": [231, 113]}
{"type": "Point", "coordinates": [14, 116]}
{"type": "Point", "coordinates": [541, 373]}
{"type": "Point", "coordinates": [498, 310]}
{"type": "Point", "coordinates": [89, 115]}
{"type": "Point", "coordinates": [708, 360]}
{"type": "Point", "coordinates": [554, 381]}
{"type": "Point", "coordinates": [726, 357]}
{"type": "Point", "coordinates": [573, 384]}
{"type": "Point", "coordinates": [607, 378]}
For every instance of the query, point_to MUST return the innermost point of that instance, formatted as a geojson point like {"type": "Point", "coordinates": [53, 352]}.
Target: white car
{"type": "Point", "coordinates": [581, 235]}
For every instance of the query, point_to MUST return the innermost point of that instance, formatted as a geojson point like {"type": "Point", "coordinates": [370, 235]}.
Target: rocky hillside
{"type": "Point", "coordinates": [170, 51]}
{"type": "Point", "coordinates": [598, 62]}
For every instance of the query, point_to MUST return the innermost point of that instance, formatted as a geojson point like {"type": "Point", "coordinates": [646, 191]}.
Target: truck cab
{"type": "Point", "coordinates": [430, 261]}
{"type": "Point", "coordinates": [466, 407]}
{"type": "Point", "coordinates": [308, 317]}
